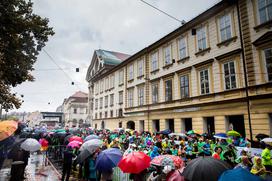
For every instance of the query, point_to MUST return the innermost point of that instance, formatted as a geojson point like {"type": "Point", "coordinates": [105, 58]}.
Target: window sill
{"type": "Point", "coordinates": [203, 52]}
{"type": "Point", "coordinates": [267, 24]}
{"type": "Point", "coordinates": [154, 71]}
{"type": "Point", "coordinates": [227, 42]}
{"type": "Point", "coordinates": [183, 60]}
{"type": "Point", "coordinates": [167, 66]}
{"type": "Point", "coordinates": [131, 80]}
{"type": "Point", "coordinates": [140, 76]}
{"type": "Point", "coordinates": [121, 84]}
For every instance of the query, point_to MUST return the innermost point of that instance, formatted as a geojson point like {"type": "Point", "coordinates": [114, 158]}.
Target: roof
{"type": "Point", "coordinates": [110, 57]}
{"type": "Point", "coordinates": [79, 94]}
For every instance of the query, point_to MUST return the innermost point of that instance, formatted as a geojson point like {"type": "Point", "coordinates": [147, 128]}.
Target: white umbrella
{"type": "Point", "coordinates": [31, 144]}
{"type": "Point", "coordinates": [91, 145]}
{"type": "Point", "coordinates": [177, 134]}
{"type": "Point", "coordinates": [267, 140]}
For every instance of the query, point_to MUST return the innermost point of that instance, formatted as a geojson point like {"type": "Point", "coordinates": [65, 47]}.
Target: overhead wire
{"type": "Point", "coordinates": [167, 14]}
{"type": "Point", "coordinates": [52, 59]}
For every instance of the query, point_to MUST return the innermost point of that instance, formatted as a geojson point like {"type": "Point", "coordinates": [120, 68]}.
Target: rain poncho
{"type": "Point", "coordinates": [258, 168]}
{"type": "Point", "coordinates": [266, 157]}
{"type": "Point", "coordinates": [155, 152]}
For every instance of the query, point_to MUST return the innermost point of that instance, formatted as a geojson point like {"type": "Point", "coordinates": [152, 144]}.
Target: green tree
{"type": "Point", "coordinates": [22, 36]}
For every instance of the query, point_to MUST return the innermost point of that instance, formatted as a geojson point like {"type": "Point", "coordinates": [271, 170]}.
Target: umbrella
{"type": "Point", "coordinates": [176, 160]}
{"type": "Point", "coordinates": [7, 128]}
{"type": "Point", "coordinates": [108, 159]}
{"type": "Point", "coordinates": [176, 175]}
{"type": "Point", "coordinates": [91, 145]}
{"type": "Point", "coordinates": [31, 144]}
{"type": "Point", "coordinates": [177, 134]}
{"type": "Point", "coordinates": [267, 140]}
{"type": "Point", "coordinates": [238, 174]}
{"type": "Point", "coordinates": [166, 132]}
{"type": "Point", "coordinates": [233, 133]}
{"type": "Point", "coordinates": [221, 136]}
{"type": "Point", "coordinates": [75, 138]}
{"type": "Point", "coordinates": [205, 169]}
{"type": "Point", "coordinates": [74, 144]}
{"type": "Point", "coordinates": [91, 137]}
{"type": "Point", "coordinates": [134, 162]}
{"type": "Point", "coordinates": [43, 142]}
{"type": "Point", "coordinates": [261, 136]}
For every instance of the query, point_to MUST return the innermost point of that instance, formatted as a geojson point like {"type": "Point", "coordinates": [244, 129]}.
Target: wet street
{"type": "Point", "coordinates": [35, 171]}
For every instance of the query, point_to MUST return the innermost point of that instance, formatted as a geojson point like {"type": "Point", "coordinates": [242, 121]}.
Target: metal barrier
{"type": "Point", "coordinates": [118, 175]}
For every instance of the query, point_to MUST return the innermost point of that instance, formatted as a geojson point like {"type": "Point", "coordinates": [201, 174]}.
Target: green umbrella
{"type": "Point", "coordinates": [191, 132]}
{"type": "Point", "coordinates": [233, 133]}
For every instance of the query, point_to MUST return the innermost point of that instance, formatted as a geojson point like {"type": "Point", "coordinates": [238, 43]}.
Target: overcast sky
{"type": "Point", "coordinates": [86, 25]}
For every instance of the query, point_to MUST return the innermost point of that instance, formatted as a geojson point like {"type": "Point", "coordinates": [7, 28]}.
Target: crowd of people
{"type": "Point", "coordinates": [185, 146]}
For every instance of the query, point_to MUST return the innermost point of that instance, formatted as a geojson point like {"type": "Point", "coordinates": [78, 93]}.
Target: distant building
{"type": "Point", "coordinates": [75, 109]}
{"type": "Point", "coordinates": [33, 118]}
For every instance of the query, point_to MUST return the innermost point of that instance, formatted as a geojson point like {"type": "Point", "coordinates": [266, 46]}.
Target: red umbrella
{"type": "Point", "coordinates": [175, 175]}
{"type": "Point", "coordinates": [176, 159]}
{"type": "Point", "coordinates": [43, 142]}
{"type": "Point", "coordinates": [76, 138]}
{"type": "Point", "coordinates": [134, 162]}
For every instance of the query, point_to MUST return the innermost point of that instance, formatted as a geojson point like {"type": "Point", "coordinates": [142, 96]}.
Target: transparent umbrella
{"type": "Point", "coordinates": [31, 144]}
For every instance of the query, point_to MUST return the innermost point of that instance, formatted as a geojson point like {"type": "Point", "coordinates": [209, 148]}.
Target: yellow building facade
{"type": "Point", "coordinates": [209, 75]}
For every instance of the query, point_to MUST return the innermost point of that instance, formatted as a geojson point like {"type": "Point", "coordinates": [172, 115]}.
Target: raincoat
{"type": "Point", "coordinates": [258, 168]}
{"type": "Point", "coordinates": [155, 152]}
{"type": "Point", "coordinates": [266, 157]}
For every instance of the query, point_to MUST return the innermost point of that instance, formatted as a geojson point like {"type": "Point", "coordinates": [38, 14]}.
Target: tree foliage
{"type": "Point", "coordinates": [22, 36]}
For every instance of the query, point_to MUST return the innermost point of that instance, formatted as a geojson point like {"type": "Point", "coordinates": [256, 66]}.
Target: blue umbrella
{"type": "Point", "coordinates": [108, 159]}
{"type": "Point", "coordinates": [91, 137]}
{"type": "Point", "coordinates": [221, 135]}
{"type": "Point", "coordinates": [165, 132]}
{"type": "Point", "coordinates": [238, 174]}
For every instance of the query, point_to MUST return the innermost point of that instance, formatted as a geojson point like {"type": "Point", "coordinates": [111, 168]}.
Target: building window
{"type": "Point", "coordinates": [140, 96]}
{"type": "Point", "coordinates": [106, 114]}
{"type": "Point", "coordinates": [167, 55]}
{"type": "Point", "coordinates": [107, 83]}
{"type": "Point", "coordinates": [121, 77]}
{"type": "Point", "coordinates": [204, 81]}
{"type": "Point", "coordinates": [201, 38]}
{"type": "Point", "coordinates": [140, 68]}
{"type": "Point", "coordinates": [130, 98]}
{"type": "Point", "coordinates": [121, 97]}
{"type": "Point", "coordinates": [182, 48]}
{"type": "Point", "coordinates": [111, 113]}
{"type": "Point", "coordinates": [106, 101]}
{"type": "Point", "coordinates": [120, 112]}
{"type": "Point", "coordinates": [168, 90]}
{"type": "Point", "coordinates": [111, 99]}
{"type": "Point", "coordinates": [111, 81]}
{"type": "Point", "coordinates": [268, 62]}
{"type": "Point", "coordinates": [155, 93]}
{"type": "Point", "coordinates": [100, 115]}
{"type": "Point", "coordinates": [154, 62]}
{"type": "Point", "coordinates": [184, 86]}
{"type": "Point", "coordinates": [101, 102]}
{"type": "Point", "coordinates": [95, 115]}
{"type": "Point", "coordinates": [75, 110]}
{"type": "Point", "coordinates": [101, 86]}
{"type": "Point", "coordinates": [96, 103]}
{"type": "Point", "coordinates": [130, 72]}
{"type": "Point", "coordinates": [225, 27]}
{"type": "Point", "coordinates": [265, 10]}
{"type": "Point", "coordinates": [229, 75]}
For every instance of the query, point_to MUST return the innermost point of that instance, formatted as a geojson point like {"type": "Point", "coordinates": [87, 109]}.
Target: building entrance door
{"type": "Point", "coordinates": [237, 123]}
{"type": "Point", "coordinates": [188, 124]}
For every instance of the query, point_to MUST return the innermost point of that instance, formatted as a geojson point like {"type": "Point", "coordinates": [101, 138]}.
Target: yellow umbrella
{"type": "Point", "coordinates": [7, 128]}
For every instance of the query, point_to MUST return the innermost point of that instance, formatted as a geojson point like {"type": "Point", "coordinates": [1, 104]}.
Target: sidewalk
{"type": "Point", "coordinates": [35, 171]}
